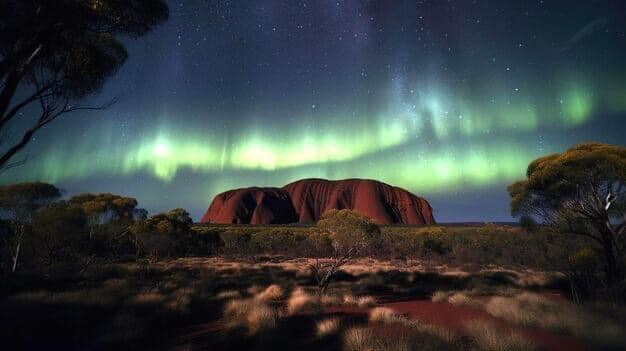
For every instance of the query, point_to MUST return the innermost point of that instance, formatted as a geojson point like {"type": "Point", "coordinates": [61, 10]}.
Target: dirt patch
{"type": "Point", "coordinates": [454, 318]}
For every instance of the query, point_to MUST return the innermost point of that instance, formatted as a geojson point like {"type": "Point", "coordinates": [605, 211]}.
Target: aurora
{"type": "Point", "coordinates": [441, 99]}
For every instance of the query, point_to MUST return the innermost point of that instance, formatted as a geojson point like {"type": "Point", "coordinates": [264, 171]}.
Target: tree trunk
{"type": "Point", "coordinates": [16, 256]}
{"type": "Point", "coordinates": [611, 269]}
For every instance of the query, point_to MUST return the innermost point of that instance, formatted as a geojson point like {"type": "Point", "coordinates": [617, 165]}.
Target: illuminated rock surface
{"type": "Point", "coordinates": [306, 200]}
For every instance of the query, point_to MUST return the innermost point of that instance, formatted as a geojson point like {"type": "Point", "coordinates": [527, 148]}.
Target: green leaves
{"type": "Point", "coordinates": [349, 230]}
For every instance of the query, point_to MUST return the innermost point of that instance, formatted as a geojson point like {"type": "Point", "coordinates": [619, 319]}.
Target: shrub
{"type": "Point", "coordinates": [271, 293]}
{"type": "Point", "coordinates": [164, 234]}
{"type": "Point", "coordinates": [329, 326]}
{"type": "Point", "coordinates": [236, 242]}
{"type": "Point", "coordinates": [300, 302]}
{"type": "Point", "coordinates": [59, 237]}
{"type": "Point", "coordinates": [350, 235]}
{"type": "Point", "coordinates": [385, 315]}
{"type": "Point", "coordinates": [489, 338]}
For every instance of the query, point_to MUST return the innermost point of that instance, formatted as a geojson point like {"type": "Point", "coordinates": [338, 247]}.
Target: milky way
{"type": "Point", "coordinates": [449, 99]}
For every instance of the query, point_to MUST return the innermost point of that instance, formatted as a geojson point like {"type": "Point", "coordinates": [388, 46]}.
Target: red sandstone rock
{"type": "Point", "coordinates": [304, 201]}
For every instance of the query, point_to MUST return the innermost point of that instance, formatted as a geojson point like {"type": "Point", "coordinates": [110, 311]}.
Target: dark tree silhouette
{"type": "Point", "coordinates": [583, 192]}
{"type": "Point", "coordinates": [54, 53]}
{"type": "Point", "coordinates": [18, 202]}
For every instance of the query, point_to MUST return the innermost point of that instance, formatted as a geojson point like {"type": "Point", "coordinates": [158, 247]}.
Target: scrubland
{"type": "Point", "coordinates": [488, 287]}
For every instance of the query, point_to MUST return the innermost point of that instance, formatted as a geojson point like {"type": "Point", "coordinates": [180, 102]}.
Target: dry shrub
{"type": "Point", "coordinates": [272, 293]}
{"type": "Point", "coordinates": [366, 301]}
{"type": "Point", "coordinates": [396, 339]}
{"type": "Point", "coordinates": [459, 299]}
{"type": "Point", "coordinates": [303, 302]}
{"type": "Point", "coordinates": [237, 309]}
{"type": "Point", "coordinates": [228, 294]}
{"type": "Point", "coordinates": [329, 326]}
{"type": "Point", "coordinates": [440, 296]}
{"type": "Point", "coordinates": [260, 318]}
{"type": "Point", "coordinates": [361, 301]}
{"type": "Point", "coordinates": [349, 299]}
{"type": "Point", "coordinates": [180, 299]}
{"type": "Point", "coordinates": [385, 315]}
{"type": "Point", "coordinates": [253, 315]}
{"type": "Point", "coordinates": [489, 338]}
{"type": "Point", "coordinates": [330, 300]}
{"type": "Point", "coordinates": [358, 339]}
{"type": "Point", "coordinates": [564, 317]}
{"type": "Point", "coordinates": [148, 298]}
{"type": "Point", "coordinates": [435, 330]}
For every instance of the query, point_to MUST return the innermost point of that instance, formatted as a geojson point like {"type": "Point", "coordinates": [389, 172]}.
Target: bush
{"type": "Point", "coordinates": [236, 242]}
{"type": "Point", "coordinates": [165, 234]}
{"type": "Point", "coordinates": [59, 236]}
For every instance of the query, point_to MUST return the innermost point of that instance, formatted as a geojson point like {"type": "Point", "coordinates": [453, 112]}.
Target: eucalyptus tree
{"type": "Point", "coordinates": [581, 191]}
{"type": "Point", "coordinates": [53, 54]}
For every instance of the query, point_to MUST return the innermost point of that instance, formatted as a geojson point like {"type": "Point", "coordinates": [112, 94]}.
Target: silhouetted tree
{"type": "Point", "coordinates": [58, 52]}
{"type": "Point", "coordinates": [581, 191]}
{"type": "Point", "coordinates": [18, 203]}
{"type": "Point", "coordinates": [59, 234]}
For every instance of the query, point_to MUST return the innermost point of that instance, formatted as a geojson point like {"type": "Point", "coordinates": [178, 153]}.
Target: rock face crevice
{"type": "Point", "coordinates": [304, 201]}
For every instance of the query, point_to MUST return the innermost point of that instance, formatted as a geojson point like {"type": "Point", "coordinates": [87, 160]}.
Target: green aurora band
{"type": "Point", "coordinates": [418, 134]}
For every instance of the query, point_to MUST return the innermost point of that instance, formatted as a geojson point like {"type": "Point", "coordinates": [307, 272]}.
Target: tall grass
{"type": "Point", "coordinates": [488, 338]}
{"type": "Point", "coordinates": [564, 317]}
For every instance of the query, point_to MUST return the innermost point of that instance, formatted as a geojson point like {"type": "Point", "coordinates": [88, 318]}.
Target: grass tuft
{"type": "Point", "coordinates": [329, 326]}
{"type": "Point", "coordinates": [487, 337]}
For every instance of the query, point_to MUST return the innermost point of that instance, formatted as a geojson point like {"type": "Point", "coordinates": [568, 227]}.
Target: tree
{"type": "Point", "coordinates": [582, 192]}
{"type": "Point", "coordinates": [350, 234]}
{"type": "Point", "coordinates": [18, 202]}
{"type": "Point", "coordinates": [163, 233]}
{"type": "Point", "coordinates": [105, 208]}
{"type": "Point", "coordinates": [59, 234]}
{"type": "Point", "coordinates": [55, 53]}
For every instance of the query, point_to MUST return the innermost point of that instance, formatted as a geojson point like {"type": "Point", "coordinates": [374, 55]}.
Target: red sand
{"type": "Point", "coordinates": [453, 318]}
{"type": "Point", "coordinates": [441, 314]}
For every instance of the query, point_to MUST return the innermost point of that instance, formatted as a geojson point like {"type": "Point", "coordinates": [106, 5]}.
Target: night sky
{"type": "Point", "coordinates": [448, 99]}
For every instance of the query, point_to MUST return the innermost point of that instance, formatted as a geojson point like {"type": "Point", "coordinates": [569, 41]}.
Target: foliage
{"type": "Point", "coordinates": [58, 236]}
{"type": "Point", "coordinates": [163, 234]}
{"type": "Point", "coordinates": [18, 202]}
{"type": "Point", "coordinates": [582, 192]}
{"type": "Point", "coordinates": [23, 199]}
{"type": "Point", "coordinates": [350, 234]}
{"type": "Point", "coordinates": [106, 207]}
{"type": "Point", "coordinates": [58, 52]}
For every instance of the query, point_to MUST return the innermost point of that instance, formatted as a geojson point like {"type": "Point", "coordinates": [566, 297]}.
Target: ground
{"type": "Point", "coordinates": [265, 302]}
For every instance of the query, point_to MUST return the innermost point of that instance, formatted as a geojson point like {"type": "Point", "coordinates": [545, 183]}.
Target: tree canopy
{"type": "Point", "coordinates": [27, 197]}
{"type": "Point", "coordinates": [349, 231]}
{"type": "Point", "coordinates": [100, 205]}
{"type": "Point", "coordinates": [554, 180]}
{"type": "Point", "coordinates": [580, 191]}
{"type": "Point", "coordinates": [60, 51]}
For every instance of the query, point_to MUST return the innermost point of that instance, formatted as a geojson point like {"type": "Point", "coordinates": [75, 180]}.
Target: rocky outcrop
{"type": "Point", "coordinates": [304, 201]}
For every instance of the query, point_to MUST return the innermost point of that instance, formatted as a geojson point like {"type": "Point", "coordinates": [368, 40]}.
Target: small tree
{"type": "Point", "coordinates": [59, 235]}
{"type": "Point", "coordinates": [162, 233]}
{"type": "Point", "coordinates": [350, 234]}
{"type": "Point", "coordinates": [580, 192]}
{"type": "Point", "coordinates": [106, 208]}
{"type": "Point", "coordinates": [18, 203]}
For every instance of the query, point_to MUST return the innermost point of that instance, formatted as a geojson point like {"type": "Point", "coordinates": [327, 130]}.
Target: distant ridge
{"type": "Point", "coordinates": [304, 201]}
